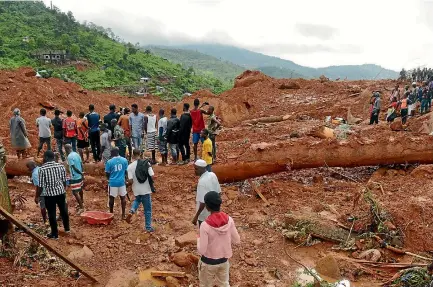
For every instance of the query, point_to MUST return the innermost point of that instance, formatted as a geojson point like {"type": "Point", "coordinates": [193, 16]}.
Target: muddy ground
{"type": "Point", "coordinates": [329, 195]}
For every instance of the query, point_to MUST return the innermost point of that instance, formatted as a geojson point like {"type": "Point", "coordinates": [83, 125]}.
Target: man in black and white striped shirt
{"type": "Point", "coordinates": [52, 179]}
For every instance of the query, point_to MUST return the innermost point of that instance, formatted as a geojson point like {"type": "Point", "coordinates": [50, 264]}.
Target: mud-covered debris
{"type": "Point", "coordinates": [328, 266]}
{"type": "Point", "coordinates": [189, 238]}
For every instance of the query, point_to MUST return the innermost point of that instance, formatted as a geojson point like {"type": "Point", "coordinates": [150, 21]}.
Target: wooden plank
{"type": "Point", "coordinates": [167, 274]}
{"type": "Point", "coordinates": [44, 243]}
{"type": "Point", "coordinates": [253, 186]}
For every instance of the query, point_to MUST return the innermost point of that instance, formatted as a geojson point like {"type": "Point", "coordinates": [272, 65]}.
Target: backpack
{"type": "Point", "coordinates": [142, 173]}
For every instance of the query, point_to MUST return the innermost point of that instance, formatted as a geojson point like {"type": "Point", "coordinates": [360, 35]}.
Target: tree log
{"type": "Point", "coordinates": [267, 158]}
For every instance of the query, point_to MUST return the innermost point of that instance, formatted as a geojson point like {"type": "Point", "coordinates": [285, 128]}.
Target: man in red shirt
{"type": "Point", "coordinates": [197, 124]}
{"type": "Point", "coordinates": [70, 131]}
{"type": "Point", "coordinates": [83, 137]}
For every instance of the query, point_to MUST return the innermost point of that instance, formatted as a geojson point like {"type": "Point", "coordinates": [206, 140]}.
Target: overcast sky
{"type": "Point", "coordinates": [316, 33]}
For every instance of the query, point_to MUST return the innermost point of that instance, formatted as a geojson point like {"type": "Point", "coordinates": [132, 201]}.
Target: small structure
{"type": "Point", "coordinates": [160, 89]}
{"type": "Point", "coordinates": [54, 56]}
{"type": "Point", "coordinates": [143, 90]}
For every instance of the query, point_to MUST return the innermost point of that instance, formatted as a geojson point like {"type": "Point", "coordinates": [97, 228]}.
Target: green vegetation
{"type": "Point", "coordinates": [29, 27]}
{"type": "Point", "coordinates": [285, 68]}
{"type": "Point", "coordinates": [203, 64]}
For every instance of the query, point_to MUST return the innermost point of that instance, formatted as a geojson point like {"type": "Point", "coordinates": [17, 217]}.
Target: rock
{"type": "Point", "coordinates": [323, 133]}
{"type": "Point", "coordinates": [396, 126]}
{"type": "Point", "coordinates": [189, 238]}
{"type": "Point", "coordinates": [328, 266]}
{"type": "Point", "coordinates": [83, 253]}
{"type": "Point", "coordinates": [391, 172]}
{"type": "Point", "coordinates": [122, 278]}
{"type": "Point", "coordinates": [370, 255]}
{"type": "Point", "coordinates": [257, 242]}
{"type": "Point", "coordinates": [30, 73]}
{"type": "Point", "coordinates": [178, 225]}
{"type": "Point", "coordinates": [251, 261]}
{"type": "Point", "coordinates": [183, 259]}
{"type": "Point", "coordinates": [389, 225]}
{"type": "Point", "coordinates": [172, 282]}
{"type": "Point", "coordinates": [323, 79]}
{"type": "Point", "coordinates": [232, 194]}
{"type": "Point", "coordinates": [422, 171]}
{"type": "Point", "coordinates": [318, 179]}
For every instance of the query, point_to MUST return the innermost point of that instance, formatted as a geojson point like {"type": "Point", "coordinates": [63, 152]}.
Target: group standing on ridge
{"type": "Point", "coordinates": [405, 103]}
{"type": "Point", "coordinates": [120, 140]}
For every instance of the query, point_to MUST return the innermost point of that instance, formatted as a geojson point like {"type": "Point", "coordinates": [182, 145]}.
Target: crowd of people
{"type": "Point", "coordinates": [119, 141]}
{"type": "Point", "coordinates": [403, 103]}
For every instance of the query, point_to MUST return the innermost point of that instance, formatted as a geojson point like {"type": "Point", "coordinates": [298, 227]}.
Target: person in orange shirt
{"type": "Point", "coordinates": [83, 137]}
{"type": "Point", "coordinates": [124, 124]}
{"type": "Point", "coordinates": [70, 131]}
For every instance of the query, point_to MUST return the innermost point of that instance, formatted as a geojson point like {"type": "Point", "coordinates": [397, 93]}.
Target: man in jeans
{"type": "Point", "coordinates": [57, 123]}
{"type": "Point", "coordinates": [70, 131]}
{"type": "Point", "coordinates": [136, 123]}
{"type": "Point", "coordinates": [142, 191]}
{"type": "Point", "coordinates": [52, 180]}
{"type": "Point", "coordinates": [44, 124]}
{"type": "Point", "coordinates": [92, 120]}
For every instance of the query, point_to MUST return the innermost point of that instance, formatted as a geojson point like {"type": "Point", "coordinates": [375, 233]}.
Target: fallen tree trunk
{"type": "Point", "coordinates": [273, 119]}
{"type": "Point", "coordinates": [267, 158]}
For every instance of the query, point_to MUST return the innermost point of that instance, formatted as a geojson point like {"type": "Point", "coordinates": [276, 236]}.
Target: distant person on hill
{"type": "Point", "coordinates": [57, 123]}
{"type": "Point", "coordinates": [76, 171]}
{"type": "Point", "coordinates": [112, 115]}
{"type": "Point", "coordinates": [395, 93]}
{"type": "Point", "coordinates": [19, 137]}
{"type": "Point", "coordinates": [392, 111]}
{"type": "Point", "coordinates": [413, 99]}
{"type": "Point", "coordinates": [136, 123]}
{"type": "Point", "coordinates": [123, 122]}
{"type": "Point", "coordinates": [217, 234]}
{"type": "Point", "coordinates": [70, 131]}
{"type": "Point", "coordinates": [119, 138]}
{"type": "Point", "coordinates": [44, 125]}
{"type": "Point", "coordinates": [83, 137]}
{"type": "Point", "coordinates": [92, 120]}
{"type": "Point", "coordinates": [404, 104]}
{"type": "Point", "coordinates": [374, 115]}
{"type": "Point", "coordinates": [162, 141]}
{"type": "Point", "coordinates": [213, 126]}
{"type": "Point", "coordinates": [105, 143]}
{"type": "Point", "coordinates": [150, 130]}
{"type": "Point", "coordinates": [197, 124]}
{"type": "Point", "coordinates": [116, 169]}
{"type": "Point", "coordinates": [184, 134]}
{"type": "Point", "coordinates": [172, 135]}
{"type": "Point", "coordinates": [424, 99]}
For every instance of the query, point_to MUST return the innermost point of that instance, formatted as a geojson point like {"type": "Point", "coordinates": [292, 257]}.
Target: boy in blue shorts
{"type": "Point", "coordinates": [116, 169]}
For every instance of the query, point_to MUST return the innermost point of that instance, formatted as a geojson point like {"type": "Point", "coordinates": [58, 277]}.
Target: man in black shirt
{"type": "Point", "coordinates": [57, 123]}
{"type": "Point", "coordinates": [172, 135]}
{"type": "Point", "coordinates": [184, 133]}
{"type": "Point", "coordinates": [111, 116]}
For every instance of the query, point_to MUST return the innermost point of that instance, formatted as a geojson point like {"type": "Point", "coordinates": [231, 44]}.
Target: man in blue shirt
{"type": "Point", "coordinates": [77, 179]}
{"type": "Point", "coordinates": [116, 169]}
{"type": "Point", "coordinates": [92, 119]}
{"type": "Point", "coordinates": [34, 169]}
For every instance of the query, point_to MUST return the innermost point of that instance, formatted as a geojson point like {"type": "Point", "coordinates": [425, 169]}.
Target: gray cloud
{"type": "Point", "coordinates": [322, 32]}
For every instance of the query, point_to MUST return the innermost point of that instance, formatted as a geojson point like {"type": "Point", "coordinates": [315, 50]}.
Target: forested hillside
{"type": "Point", "coordinates": [103, 60]}
{"type": "Point", "coordinates": [202, 63]}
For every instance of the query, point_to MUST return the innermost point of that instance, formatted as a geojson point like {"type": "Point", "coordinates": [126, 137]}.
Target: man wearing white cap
{"type": "Point", "coordinates": [208, 181]}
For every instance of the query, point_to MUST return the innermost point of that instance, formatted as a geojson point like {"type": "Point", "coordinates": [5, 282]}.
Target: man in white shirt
{"type": "Point", "coordinates": [140, 174]}
{"type": "Point", "coordinates": [208, 181]}
{"type": "Point", "coordinates": [44, 125]}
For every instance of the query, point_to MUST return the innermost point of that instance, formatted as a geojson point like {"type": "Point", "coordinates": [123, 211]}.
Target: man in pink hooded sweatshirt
{"type": "Point", "coordinates": [217, 233]}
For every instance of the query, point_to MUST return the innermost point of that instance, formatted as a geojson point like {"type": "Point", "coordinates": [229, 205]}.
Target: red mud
{"type": "Point", "coordinates": [406, 194]}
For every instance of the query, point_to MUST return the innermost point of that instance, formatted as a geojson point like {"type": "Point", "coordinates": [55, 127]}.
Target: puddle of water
{"type": "Point", "coordinates": [145, 276]}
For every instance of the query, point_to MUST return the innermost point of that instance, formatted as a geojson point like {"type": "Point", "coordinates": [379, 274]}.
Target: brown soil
{"type": "Point", "coordinates": [318, 192]}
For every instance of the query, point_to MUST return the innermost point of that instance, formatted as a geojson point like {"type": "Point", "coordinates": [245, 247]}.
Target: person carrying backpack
{"type": "Point", "coordinates": [140, 175]}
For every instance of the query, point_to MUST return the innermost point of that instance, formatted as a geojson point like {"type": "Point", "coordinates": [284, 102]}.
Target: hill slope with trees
{"type": "Point", "coordinates": [28, 27]}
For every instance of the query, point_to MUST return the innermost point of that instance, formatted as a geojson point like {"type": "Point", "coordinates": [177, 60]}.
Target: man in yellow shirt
{"type": "Point", "coordinates": [207, 149]}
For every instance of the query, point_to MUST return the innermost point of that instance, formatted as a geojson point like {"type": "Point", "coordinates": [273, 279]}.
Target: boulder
{"type": "Point", "coordinates": [184, 259]}
{"type": "Point", "coordinates": [396, 126]}
{"type": "Point", "coordinates": [83, 253]}
{"type": "Point", "coordinates": [328, 266]}
{"type": "Point", "coordinates": [189, 238]}
{"type": "Point", "coordinates": [172, 282]}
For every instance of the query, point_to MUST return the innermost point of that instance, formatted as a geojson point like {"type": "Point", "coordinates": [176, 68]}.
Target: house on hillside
{"type": "Point", "coordinates": [52, 56]}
